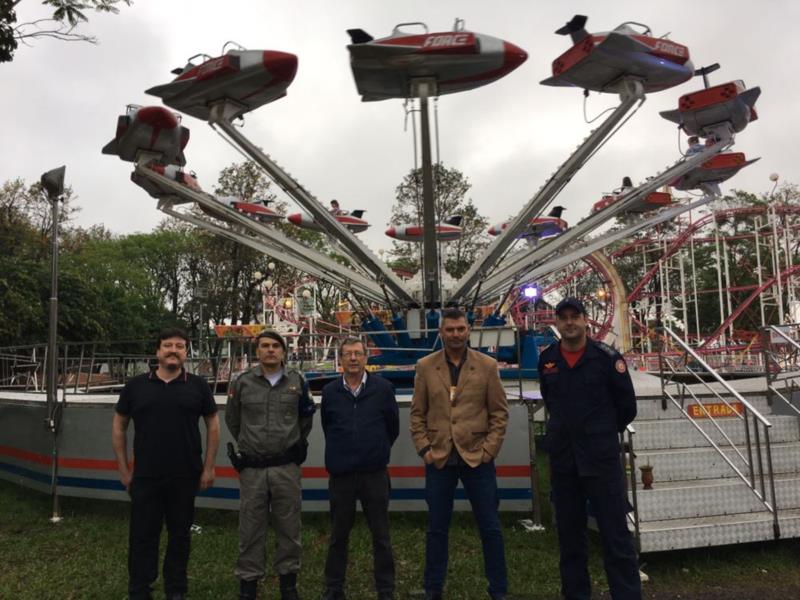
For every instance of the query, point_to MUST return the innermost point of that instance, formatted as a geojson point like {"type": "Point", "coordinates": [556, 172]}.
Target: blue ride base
{"type": "Point", "coordinates": [399, 350]}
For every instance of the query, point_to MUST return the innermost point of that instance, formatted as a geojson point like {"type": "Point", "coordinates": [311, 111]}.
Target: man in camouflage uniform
{"type": "Point", "coordinates": [269, 414]}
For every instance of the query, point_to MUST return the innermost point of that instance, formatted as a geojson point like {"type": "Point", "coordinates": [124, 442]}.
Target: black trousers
{"type": "Point", "coordinates": [607, 497]}
{"type": "Point", "coordinates": [372, 490]}
{"type": "Point", "coordinates": [154, 501]}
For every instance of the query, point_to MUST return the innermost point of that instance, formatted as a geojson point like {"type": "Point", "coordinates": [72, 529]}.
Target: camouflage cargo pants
{"type": "Point", "coordinates": [270, 495]}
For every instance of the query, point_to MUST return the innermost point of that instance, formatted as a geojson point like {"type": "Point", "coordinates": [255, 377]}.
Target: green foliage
{"type": "Point", "coordinates": [246, 182]}
{"type": "Point", "coordinates": [108, 291]}
{"type": "Point", "coordinates": [132, 284]}
{"type": "Point", "coordinates": [72, 11]}
{"type": "Point", "coordinates": [22, 311]}
{"type": "Point", "coordinates": [127, 287]}
{"type": "Point", "coordinates": [25, 228]}
{"type": "Point", "coordinates": [67, 15]}
{"type": "Point", "coordinates": [450, 191]}
{"type": "Point", "coordinates": [8, 43]}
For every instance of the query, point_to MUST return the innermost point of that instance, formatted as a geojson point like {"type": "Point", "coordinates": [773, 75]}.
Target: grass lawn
{"type": "Point", "coordinates": [85, 557]}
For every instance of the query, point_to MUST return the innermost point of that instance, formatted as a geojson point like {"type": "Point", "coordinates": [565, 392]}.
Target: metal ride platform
{"type": "Point", "coordinates": [87, 467]}
{"type": "Point", "coordinates": [725, 456]}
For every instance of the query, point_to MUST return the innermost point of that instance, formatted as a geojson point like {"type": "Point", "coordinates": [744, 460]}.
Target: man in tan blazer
{"type": "Point", "coordinates": [459, 415]}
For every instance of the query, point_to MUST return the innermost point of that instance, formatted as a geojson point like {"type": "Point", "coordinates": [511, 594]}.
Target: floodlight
{"type": "Point", "coordinates": [530, 291]}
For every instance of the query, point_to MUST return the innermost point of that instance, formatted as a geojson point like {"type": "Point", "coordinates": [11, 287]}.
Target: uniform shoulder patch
{"type": "Point", "coordinates": [620, 366]}
{"type": "Point", "coordinates": [294, 381]}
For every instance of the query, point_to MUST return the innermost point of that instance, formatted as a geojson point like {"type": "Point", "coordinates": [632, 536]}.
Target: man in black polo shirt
{"type": "Point", "coordinates": [165, 405]}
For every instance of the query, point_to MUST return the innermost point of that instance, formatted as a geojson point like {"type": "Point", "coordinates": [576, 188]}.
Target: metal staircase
{"type": "Point", "coordinates": [726, 465]}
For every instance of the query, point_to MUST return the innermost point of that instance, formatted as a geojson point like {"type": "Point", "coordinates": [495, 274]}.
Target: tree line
{"type": "Point", "coordinates": [126, 287]}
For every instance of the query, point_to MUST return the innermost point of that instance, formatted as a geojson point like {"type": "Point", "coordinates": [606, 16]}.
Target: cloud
{"type": "Point", "coordinates": [62, 100]}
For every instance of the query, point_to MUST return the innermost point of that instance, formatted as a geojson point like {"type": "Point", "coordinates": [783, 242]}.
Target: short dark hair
{"type": "Point", "coordinates": [352, 341]}
{"type": "Point", "coordinates": [453, 314]}
{"type": "Point", "coordinates": [273, 335]}
{"type": "Point", "coordinates": [171, 332]}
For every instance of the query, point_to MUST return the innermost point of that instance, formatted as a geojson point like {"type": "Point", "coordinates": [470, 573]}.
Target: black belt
{"type": "Point", "coordinates": [241, 460]}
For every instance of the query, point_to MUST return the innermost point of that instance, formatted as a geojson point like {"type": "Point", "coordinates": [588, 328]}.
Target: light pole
{"type": "Point", "coordinates": [264, 283]}
{"type": "Point", "coordinates": [258, 276]}
{"type": "Point", "coordinates": [53, 184]}
{"type": "Point", "coordinates": [268, 285]}
{"type": "Point", "coordinates": [776, 245]}
{"type": "Point", "coordinates": [306, 294]}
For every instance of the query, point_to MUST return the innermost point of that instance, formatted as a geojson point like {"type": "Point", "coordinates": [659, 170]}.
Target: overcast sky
{"type": "Point", "coordinates": [60, 101]}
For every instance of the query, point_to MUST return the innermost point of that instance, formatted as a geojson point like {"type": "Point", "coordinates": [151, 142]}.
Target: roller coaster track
{"type": "Point", "coordinates": [672, 249]}
{"type": "Point", "coordinates": [677, 242]}
{"type": "Point", "coordinates": [783, 275]}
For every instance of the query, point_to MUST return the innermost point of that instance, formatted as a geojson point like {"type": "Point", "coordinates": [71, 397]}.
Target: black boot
{"type": "Point", "coordinates": [248, 589]}
{"type": "Point", "coordinates": [288, 585]}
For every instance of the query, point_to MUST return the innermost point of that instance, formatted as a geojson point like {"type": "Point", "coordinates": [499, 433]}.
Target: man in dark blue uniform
{"type": "Point", "coordinates": [590, 399]}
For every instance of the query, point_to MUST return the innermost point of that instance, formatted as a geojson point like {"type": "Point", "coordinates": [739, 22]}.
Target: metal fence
{"type": "Point", "coordinates": [781, 345]}
{"type": "Point", "coordinates": [751, 460]}
{"type": "Point", "coordinates": [85, 367]}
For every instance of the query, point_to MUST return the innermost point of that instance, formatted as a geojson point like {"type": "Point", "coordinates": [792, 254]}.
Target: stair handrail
{"type": "Point", "coordinates": [770, 358]}
{"type": "Point", "coordinates": [757, 487]}
{"type": "Point", "coordinates": [628, 460]}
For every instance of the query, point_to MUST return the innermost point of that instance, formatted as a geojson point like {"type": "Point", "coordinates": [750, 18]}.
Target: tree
{"type": "Point", "coordinates": [108, 291]}
{"type": "Point", "coordinates": [450, 191]}
{"type": "Point", "coordinates": [105, 289]}
{"type": "Point", "coordinates": [248, 183]}
{"type": "Point", "coordinates": [8, 43]}
{"type": "Point", "coordinates": [25, 214]}
{"type": "Point", "coordinates": [236, 265]}
{"type": "Point", "coordinates": [63, 23]}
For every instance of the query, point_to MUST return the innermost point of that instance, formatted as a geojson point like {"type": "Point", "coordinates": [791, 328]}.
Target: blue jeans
{"type": "Point", "coordinates": [480, 484]}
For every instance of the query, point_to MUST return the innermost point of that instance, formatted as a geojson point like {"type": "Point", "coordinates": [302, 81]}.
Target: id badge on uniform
{"type": "Point", "coordinates": [452, 394]}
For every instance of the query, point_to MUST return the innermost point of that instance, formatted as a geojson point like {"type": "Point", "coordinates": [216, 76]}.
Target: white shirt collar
{"type": "Point", "coordinates": [273, 378]}
{"type": "Point", "coordinates": [360, 387]}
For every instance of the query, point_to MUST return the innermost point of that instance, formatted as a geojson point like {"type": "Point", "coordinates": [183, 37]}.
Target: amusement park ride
{"type": "Point", "coordinates": [353, 220]}
{"type": "Point", "coordinates": [414, 64]}
{"type": "Point", "coordinates": [539, 228]}
{"type": "Point", "coordinates": [720, 481]}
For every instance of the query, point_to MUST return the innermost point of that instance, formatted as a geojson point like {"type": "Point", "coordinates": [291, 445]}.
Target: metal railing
{"type": "Point", "coordinates": [100, 367]}
{"type": "Point", "coordinates": [628, 460]}
{"type": "Point", "coordinates": [729, 362]}
{"type": "Point", "coordinates": [85, 367]}
{"type": "Point", "coordinates": [781, 350]}
{"type": "Point", "coordinates": [758, 477]}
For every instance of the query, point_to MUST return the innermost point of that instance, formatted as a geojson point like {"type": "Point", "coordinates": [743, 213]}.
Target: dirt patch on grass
{"type": "Point", "coordinates": [775, 591]}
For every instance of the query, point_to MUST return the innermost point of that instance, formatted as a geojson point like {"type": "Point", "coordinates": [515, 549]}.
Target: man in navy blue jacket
{"type": "Point", "coordinates": [590, 399]}
{"type": "Point", "coordinates": [360, 420]}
